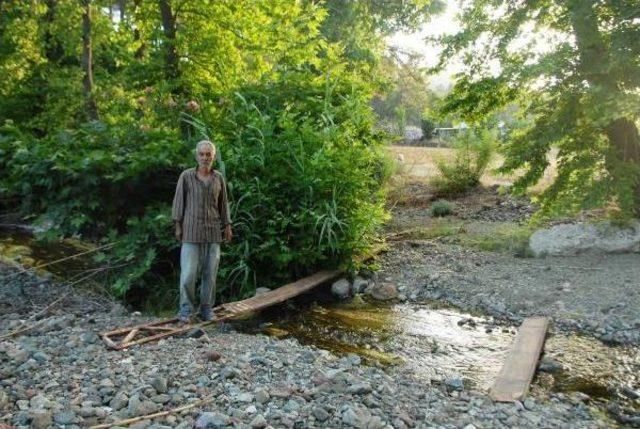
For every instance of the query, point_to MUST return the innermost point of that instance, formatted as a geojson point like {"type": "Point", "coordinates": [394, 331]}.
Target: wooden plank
{"type": "Point", "coordinates": [281, 294]}
{"type": "Point", "coordinates": [517, 372]}
{"type": "Point", "coordinates": [223, 312]}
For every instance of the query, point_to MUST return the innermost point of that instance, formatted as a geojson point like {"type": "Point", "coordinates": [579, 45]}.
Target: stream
{"type": "Point", "coordinates": [438, 343]}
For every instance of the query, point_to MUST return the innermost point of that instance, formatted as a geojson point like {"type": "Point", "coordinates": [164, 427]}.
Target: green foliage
{"type": "Point", "coordinates": [442, 208]}
{"type": "Point", "coordinates": [473, 153]}
{"type": "Point", "coordinates": [513, 239]}
{"type": "Point", "coordinates": [283, 88]}
{"type": "Point", "coordinates": [428, 125]}
{"type": "Point", "coordinates": [577, 82]}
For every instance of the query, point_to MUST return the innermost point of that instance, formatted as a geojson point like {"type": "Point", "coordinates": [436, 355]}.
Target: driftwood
{"type": "Point", "coordinates": [153, 416]}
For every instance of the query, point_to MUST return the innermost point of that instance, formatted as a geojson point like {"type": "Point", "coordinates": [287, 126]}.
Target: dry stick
{"type": "Point", "coordinates": [154, 415]}
{"type": "Point", "coordinates": [8, 276]}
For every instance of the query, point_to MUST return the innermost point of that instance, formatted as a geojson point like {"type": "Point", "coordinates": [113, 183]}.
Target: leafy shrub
{"type": "Point", "coordinates": [305, 170]}
{"type": "Point", "coordinates": [428, 126]}
{"type": "Point", "coordinates": [473, 153]}
{"type": "Point", "coordinates": [442, 208]}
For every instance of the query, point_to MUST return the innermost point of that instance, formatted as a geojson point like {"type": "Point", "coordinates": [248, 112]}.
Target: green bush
{"type": "Point", "coordinates": [305, 170]}
{"type": "Point", "coordinates": [473, 153]}
{"type": "Point", "coordinates": [428, 126]}
{"type": "Point", "coordinates": [442, 208]}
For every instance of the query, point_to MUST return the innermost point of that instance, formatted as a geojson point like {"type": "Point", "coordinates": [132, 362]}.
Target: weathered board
{"type": "Point", "coordinates": [512, 383]}
{"type": "Point", "coordinates": [122, 338]}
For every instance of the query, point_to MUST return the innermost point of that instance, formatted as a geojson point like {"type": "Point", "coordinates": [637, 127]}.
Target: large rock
{"type": "Point", "coordinates": [571, 239]}
{"type": "Point", "coordinates": [341, 288]}
{"type": "Point", "coordinates": [383, 291]}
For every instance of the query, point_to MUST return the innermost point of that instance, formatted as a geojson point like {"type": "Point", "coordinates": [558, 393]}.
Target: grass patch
{"type": "Point", "coordinates": [442, 208]}
{"type": "Point", "coordinates": [507, 238]}
{"type": "Point", "coordinates": [434, 229]}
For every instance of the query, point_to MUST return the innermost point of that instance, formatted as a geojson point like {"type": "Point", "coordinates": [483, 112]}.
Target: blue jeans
{"type": "Point", "coordinates": [198, 258]}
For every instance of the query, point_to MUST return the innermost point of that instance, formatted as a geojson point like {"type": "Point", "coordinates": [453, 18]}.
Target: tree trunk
{"type": "Point", "coordinates": [169, 28]}
{"type": "Point", "coordinates": [139, 54]}
{"type": "Point", "coordinates": [87, 62]}
{"type": "Point", "coordinates": [52, 47]}
{"type": "Point", "coordinates": [594, 56]}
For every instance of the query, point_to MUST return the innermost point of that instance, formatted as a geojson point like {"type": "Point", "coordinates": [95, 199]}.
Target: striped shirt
{"type": "Point", "coordinates": [201, 207]}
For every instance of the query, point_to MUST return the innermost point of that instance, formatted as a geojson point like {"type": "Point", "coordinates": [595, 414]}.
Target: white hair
{"type": "Point", "coordinates": [204, 142]}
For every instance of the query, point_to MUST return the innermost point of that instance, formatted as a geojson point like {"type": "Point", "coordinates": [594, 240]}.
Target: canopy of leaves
{"type": "Point", "coordinates": [574, 68]}
{"type": "Point", "coordinates": [287, 104]}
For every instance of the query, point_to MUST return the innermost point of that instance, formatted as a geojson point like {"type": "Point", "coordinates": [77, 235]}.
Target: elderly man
{"type": "Point", "coordinates": [201, 216]}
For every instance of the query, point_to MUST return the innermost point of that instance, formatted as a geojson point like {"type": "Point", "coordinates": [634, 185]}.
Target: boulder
{"type": "Point", "coordinates": [383, 291]}
{"type": "Point", "coordinates": [341, 288]}
{"type": "Point", "coordinates": [572, 239]}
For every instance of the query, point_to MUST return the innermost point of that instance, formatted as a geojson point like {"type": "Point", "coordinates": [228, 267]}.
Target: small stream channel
{"type": "Point", "coordinates": [438, 343]}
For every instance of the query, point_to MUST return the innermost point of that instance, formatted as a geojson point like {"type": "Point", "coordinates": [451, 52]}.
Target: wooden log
{"type": "Point", "coordinates": [512, 383]}
{"type": "Point", "coordinates": [130, 335]}
{"type": "Point", "coordinates": [123, 331]}
{"type": "Point", "coordinates": [157, 328]}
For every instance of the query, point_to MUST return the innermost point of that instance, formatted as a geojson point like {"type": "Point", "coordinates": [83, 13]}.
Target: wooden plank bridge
{"type": "Point", "coordinates": [122, 338]}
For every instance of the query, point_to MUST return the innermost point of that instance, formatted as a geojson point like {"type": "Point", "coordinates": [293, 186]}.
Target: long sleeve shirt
{"type": "Point", "coordinates": [201, 207]}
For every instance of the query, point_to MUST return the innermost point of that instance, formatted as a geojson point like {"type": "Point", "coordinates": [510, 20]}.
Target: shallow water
{"type": "Point", "coordinates": [440, 344]}
{"type": "Point", "coordinates": [427, 339]}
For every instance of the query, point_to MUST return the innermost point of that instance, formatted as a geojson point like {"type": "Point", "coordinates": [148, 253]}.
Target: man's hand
{"type": "Point", "coordinates": [228, 234]}
{"type": "Point", "coordinates": [178, 232]}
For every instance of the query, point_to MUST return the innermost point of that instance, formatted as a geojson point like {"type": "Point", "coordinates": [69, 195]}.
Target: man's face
{"type": "Point", "coordinates": [205, 155]}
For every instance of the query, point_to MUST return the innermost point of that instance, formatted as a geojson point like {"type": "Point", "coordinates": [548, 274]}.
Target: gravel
{"type": "Point", "coordinates": [257, 382]}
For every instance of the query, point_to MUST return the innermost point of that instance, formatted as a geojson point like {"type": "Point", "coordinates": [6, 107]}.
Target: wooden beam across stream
{"type": "Point", "coordinates": [517, 372]}
{"type": "Point", "coordinates": [122, 338]}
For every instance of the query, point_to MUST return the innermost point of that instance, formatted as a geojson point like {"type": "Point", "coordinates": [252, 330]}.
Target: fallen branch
{"type": "Point", "coordinates": [153, 416]}
{"type": "Point", "coordinates": [24, 270]}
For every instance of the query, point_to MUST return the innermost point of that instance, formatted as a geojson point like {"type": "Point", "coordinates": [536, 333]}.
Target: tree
{"type": "Point", "coordinates": [87, 61]}
{"type": "Point", "coordinates": [574, 68]}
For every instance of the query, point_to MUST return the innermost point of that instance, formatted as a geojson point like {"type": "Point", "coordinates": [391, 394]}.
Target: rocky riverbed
{"type": "Point", "coordinates": [61, 375]}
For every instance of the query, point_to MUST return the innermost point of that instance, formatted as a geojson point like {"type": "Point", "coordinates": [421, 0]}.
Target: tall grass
{"type": "Point", "coordinates": [474, 151]}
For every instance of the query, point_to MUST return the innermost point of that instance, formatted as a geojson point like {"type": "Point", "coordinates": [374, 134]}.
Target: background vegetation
{"type": "Point", "coordinates": [102, 101]}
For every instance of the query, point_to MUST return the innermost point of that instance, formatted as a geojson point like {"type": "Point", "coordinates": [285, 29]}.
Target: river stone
{"type": "Point", "coordinates": [574, 238]}
{"type": "Point", "coordinates": [454, 383]}
{"type": "Point", "coordinates": [209, 420]}
{"type": "Point", "coordinates": [137, 407]}
{"type": "Point", "coordinates": [359, 285]}
{"type": "Point", "coordinates": [341, 288]}
{"type": "Point", "coordinates": [66, 417]}
{"type": "Point", "coordinates": [258, 422]}
{"type": "Point", "coordinates": [320, 414]}
{"type": "Point", "coordinates": [4, 399]}
{"type": "Point", "coordinates": [40, 419]}
{"type": "Point", "coordinates": [245, 397]}
{"type": "Point", "coordinates": [262, 290]}
{"type": "Point", "coordinates": [262, 396]}
{"type": "Point", "coordinates": [375, 422]}
{"type": "Point", "coordinates": [383, 291]}
{"type": "Point", "coordinates": [160, 384]}
{"type": "Point", "coordinates": [360, 388]}
{"type": "Point", "coordinates": [119, 401]}
{"type": "Point", "coordinates": [354, 418]}
{"type": "Point", "coordinates": [229, 372]}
